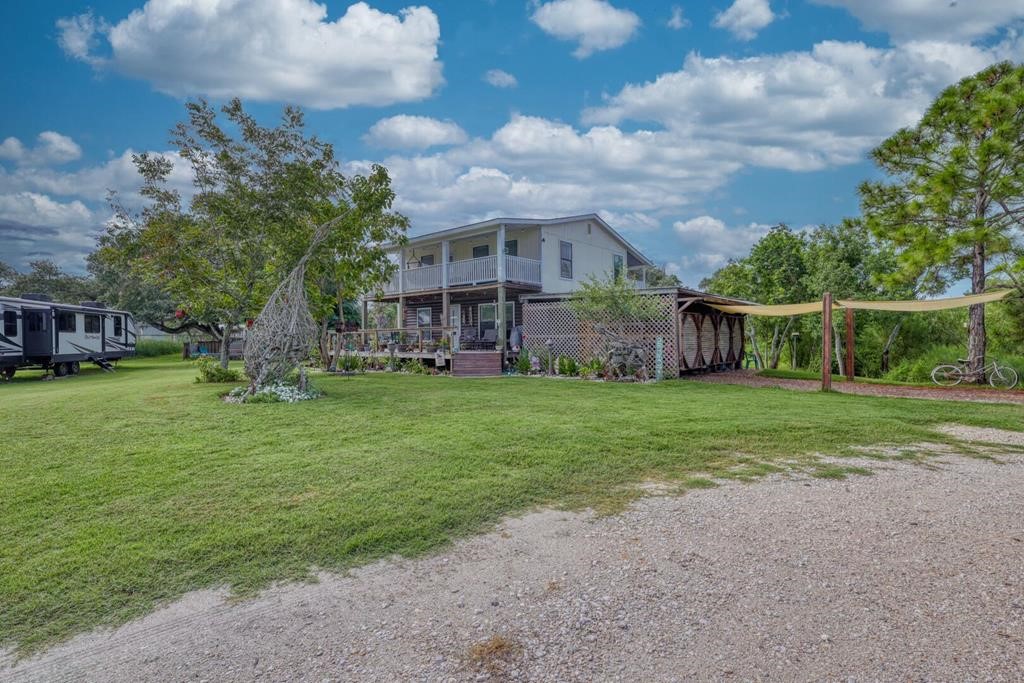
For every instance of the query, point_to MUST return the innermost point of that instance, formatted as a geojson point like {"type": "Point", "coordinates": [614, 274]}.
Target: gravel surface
{"type": "Point", "coordinates": [916, 572]}
{"type": "Point", "coordinates": [750, 378]}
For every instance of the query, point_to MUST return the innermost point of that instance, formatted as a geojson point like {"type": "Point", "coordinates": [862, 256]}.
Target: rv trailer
{"type": "Point", "coordinates": [36, 332]}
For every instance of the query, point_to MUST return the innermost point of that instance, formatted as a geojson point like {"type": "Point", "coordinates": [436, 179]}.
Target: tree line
{"type": "Point", "coordinates": [950, 209]}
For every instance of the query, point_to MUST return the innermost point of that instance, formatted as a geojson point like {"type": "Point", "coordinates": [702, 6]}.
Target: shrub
{"type": "Point", "coordinates": [210, 372]}
{"type": "Point", "coordinates": [567, 366]}
{"type": "Point", "coordinates": [415, 366]}
{"type": "Point", "coordinates": [350, 363]}
{"type": "Point", "coordinates": [280, 392]}
{"type": "Point", "coordinates": [523, 362]}
{"type": "Point", "coordinates": [149, 348]}
{"type": "Point", "coordinates": [919, 369]}
{"type": "Point", "coordinates": [592, 369]}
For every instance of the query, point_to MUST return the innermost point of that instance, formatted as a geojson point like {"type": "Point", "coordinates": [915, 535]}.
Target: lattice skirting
{"type": "Point", "coordinates": [555, 321]}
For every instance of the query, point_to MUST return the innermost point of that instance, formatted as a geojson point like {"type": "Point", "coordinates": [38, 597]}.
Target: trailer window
{"type": "Point", "coordinates": [34, 321]}
{"type": "Point", "coordinates": [92, 324]}
{"type": "Point", "coordinates": [65, 322]}
{"type": "Point", "coordinates": [10, 323]}
{"type": "Point", "coordinates": [117, 326]}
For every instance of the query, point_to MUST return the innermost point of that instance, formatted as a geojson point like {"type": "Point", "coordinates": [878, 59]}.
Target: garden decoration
{"type": "Point", "coordinates": [625, 357]}
{"type": "Point", "coordinates": [284, 333]}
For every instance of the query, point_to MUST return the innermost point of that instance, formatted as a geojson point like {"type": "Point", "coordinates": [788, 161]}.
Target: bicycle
{"type": "Point", "coordinates": [999, 376]}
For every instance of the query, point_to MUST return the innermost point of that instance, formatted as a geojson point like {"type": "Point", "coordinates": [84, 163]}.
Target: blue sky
{"type": "Point", "coordinates": [690, 126]}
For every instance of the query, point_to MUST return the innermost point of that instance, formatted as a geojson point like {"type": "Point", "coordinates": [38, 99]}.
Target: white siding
{"type": "Point", "coordinates": [593, 253]}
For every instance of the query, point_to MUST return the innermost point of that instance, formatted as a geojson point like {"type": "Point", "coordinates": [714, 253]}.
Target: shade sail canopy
{"type": "Point", "coordinates": [779, 310]}
{"type": "Point", "coordinates": [912, 306]}
{"type": "Point", "coordinates": [927, 305]}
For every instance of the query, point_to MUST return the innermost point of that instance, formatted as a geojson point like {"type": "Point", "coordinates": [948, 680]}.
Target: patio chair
{"type": "Point", "coordinates": [489, 340]}
{"type": "Point", "coordinates": [468, 339]}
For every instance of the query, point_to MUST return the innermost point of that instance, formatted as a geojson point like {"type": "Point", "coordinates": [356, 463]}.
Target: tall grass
{"type": "Point", "coordinates": [919, 369]}
{"type": "Point", "coordinates": [151, 348]}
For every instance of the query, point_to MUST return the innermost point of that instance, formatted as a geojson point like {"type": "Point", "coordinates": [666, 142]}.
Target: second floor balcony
{"type": "Point", "coordinates": [472, 271]}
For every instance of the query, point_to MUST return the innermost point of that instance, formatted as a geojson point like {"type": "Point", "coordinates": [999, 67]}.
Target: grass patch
{"type": "Point", "coordinates": [123, 491]}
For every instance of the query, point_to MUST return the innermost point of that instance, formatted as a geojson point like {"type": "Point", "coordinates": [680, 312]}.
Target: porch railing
{"type": "Point", "coordinates": [471, 271]}
{"type": "Point", "coordinates": [418, 339]}
{"type": "Point", "coordinates": [466, 272]}
{"type": "Point", "coordinates": [425, 277]}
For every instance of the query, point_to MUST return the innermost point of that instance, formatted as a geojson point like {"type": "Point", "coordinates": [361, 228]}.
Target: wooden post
{"type": "Point", "coordinates": [366, 314]}
{"type": "Point", "coordinates": [826, 342]}
{"type": "Point", "coordinates": [499, 320]}
{"type": "Point", "coordinates": [849, 345]}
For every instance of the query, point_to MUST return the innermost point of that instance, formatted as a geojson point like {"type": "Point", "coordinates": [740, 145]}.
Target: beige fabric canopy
{"type": "Point", "coordinates": [907, 306]}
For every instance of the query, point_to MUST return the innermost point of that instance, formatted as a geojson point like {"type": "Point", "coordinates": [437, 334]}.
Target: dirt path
{"type": "Point", "coordinates": [916, 572]}
{"type": "Point", "coordinates": [750, 378]}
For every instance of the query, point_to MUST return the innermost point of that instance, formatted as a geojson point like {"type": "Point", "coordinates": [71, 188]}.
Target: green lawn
{"type": "Point", "coordinates": [122, 491]}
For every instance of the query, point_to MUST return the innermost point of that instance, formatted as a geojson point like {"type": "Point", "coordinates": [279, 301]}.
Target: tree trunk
{"type": "Point", "coordinates": [888, 345]}
{"type": "Point", "coordinates": [225, 346]}
{"type": "Point", "coordinates": [325, 346]}
{"type": "Point", "coordinates": [752, 333]}
{"type": "Point", "coordinates": [837, 336]}
{"type": "Point", "coordinates": [779, 342]}
{"type": "Point", "coordinates": [976, 321]}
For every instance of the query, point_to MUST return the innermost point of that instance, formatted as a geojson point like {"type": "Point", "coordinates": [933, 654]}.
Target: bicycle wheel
{"type": "Point", "coordinates": [947, 375]}
{"type": "Point", "coordinates": [1003, 377]}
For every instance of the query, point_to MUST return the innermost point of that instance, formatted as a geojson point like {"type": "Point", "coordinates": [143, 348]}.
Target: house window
{"type": "Point", "coordinates": [92, 324]}
{"type": "Point", "coordinates": [118, 329]}
{"type": "Point", "coordinates": [617, 266]}
{"type": "Point", "coordinates": [423, 317]}
{"type": "Point", "coordinates": [565, 259]}
{"type": "Point", "coordinates": [512, 247]}
{"type": "Point", "coordinates": [426, 260]}
{"type": "Point", "coordinates": [66, 322]}
{"type": "Point", "coordinates": [10, 323]}
{"type": "Point", "coordinates": [481, 251]}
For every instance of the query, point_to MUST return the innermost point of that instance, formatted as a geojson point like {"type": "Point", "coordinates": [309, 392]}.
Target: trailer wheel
{"type": "Point", "coordinates": [9, 373]}
{"type": "Point", "coordinates": [74, 367]}
{"type": "Point", "coordinates": [60, 369]}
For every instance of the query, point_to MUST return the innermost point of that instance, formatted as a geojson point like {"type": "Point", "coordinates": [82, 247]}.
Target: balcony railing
{"type": "Point", "coordinates": [519, 269]}
{"type": "Point", "coordinates": [466, 272]}
{"type": "Point", "coordinates": [473, 271]}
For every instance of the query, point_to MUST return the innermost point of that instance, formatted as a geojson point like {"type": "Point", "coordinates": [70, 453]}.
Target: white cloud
{"type": "Point", "coordinates": [269, 50]}
{"type": "Point", "coordinates": [594, 24]}
{"type": "Point", "coordinates": [708, 244]}
{"type": "Point", "coordinates": [501, 79]}
{"type": "Point", "coordinates": [745, 18]}
{"type": "Point", "coordinates": [37, 209]}
{"type": "Point", "coordinates": [799, 110]}
{"type": "Point", "coordinates": [932, 19]}
{"type": "Point", "coordinates": [414, 132]}
{"type": "Point", "coordinates": [676, 20]}
{"type": "Point", "coordinates": [50, 148]}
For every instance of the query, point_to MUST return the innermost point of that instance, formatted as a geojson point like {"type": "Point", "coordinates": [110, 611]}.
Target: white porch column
{"type": "Point", "coordinates": [445, 250]}
{"type": "Point", "coordinates": [401, 270]}
{"type": "Point", "coordinates": [501, 253]}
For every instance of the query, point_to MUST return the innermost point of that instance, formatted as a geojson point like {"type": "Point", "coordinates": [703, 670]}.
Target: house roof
{"type": "Point", "coordinates": [524, 222]}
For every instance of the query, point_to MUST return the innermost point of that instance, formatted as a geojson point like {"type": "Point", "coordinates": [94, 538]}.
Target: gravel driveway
{"type": "Point", "coordinates": [916, 572]}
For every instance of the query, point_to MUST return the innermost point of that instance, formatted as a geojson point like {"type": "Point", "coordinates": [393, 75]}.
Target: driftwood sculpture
{"type": "Point", "coordinates": [624, 357]}
{"type": "Point", "coordinates": [284, 333]}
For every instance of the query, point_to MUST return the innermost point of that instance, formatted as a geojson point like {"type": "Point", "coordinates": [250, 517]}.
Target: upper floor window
{"type": "Point", "coordinates": [481, 251]}
{"type": "Point", "coordinates": [92, 324]}
{"type": "Point", "coordinates": [618, 264]}
{"type": "Point", "coordinates": [426, 260]}
{"type": "Point", "coordinates": [512, 247]}
{"type": "Point", "coordinates": [66, 322]}
{"type": "Point", "coordinates": [10, 323]}
{"type": "Point", "coordinates": [118, 329]}
{"type": "Point", "coordinates": [565, 259]}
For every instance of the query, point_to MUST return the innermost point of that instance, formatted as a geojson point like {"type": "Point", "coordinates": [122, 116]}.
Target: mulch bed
{"type": "Point", "coordinates": [980, 395]}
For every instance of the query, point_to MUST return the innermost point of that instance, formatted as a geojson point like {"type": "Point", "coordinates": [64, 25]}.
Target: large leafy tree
{"type": "Point", "coordinates": [46, 277]}
{"type": "Point", "coordinates": [773, 273]}
{"type": "Point", "coordinates": [955, 196]}
{"type": "Point", "coordinates": [259, 195]}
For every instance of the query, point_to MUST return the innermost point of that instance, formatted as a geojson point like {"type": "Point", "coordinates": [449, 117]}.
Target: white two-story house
{"type": "Point", "coordinates": [464, 283]}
